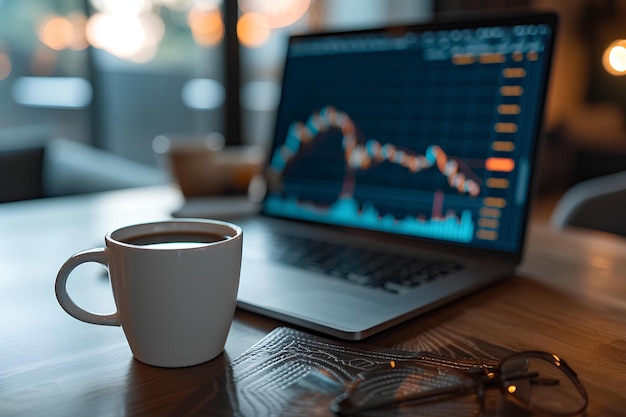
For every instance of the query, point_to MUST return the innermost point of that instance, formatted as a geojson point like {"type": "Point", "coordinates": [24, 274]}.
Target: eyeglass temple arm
{"type": "Point", "coordinates": [346, 408]}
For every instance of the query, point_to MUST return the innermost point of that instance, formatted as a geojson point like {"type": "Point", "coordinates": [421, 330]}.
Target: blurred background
{"type": "Point", "coordinates": [111, 75]}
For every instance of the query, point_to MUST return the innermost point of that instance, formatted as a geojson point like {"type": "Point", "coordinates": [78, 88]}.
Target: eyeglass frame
{"type": "Point", "coordinates": [483, 377]}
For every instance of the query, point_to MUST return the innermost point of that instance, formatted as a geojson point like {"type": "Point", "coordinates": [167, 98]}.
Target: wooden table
{"type": "Point", "coordinates": [568, 297]}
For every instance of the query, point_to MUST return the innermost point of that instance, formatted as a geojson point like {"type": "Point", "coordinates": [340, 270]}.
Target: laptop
{"type": "Point", "coordinates": [400, 173]}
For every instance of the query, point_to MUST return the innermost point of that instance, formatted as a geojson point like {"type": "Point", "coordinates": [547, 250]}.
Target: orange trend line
{"type": "Point", "coordinates": [363, 156]}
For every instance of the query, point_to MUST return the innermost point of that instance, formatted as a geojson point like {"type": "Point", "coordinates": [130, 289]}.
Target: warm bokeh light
{"type": "Point", "coordinates": [206, 24]}
{"type": "Point", "coordinates": [126, 35]}
{"type": "Point", "coordinates": [614, 58]}
{"type": "Point", "coordinates": [5, 66]}
{"type": "Point", "coordinates": [56, 32]}
{"type": "Point", "coordinates": [127, 29]}
{"type": "Point", "coordinates": [253, 29]}
{"type": "Point", "coordinates": [131, 30]}
{"type": "Point", "coordinates": [122, 36]}
{"type": "Point", "coordinates": [278, 13]}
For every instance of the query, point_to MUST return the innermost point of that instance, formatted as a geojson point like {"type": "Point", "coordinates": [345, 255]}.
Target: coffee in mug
{"type": "Point", "coordinates": [175, 240]}
{"type": "Point", "coordinates": [175, 287]}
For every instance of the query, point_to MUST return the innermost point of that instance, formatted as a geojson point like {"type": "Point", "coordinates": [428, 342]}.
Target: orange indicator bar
{"type": "Point", "coordinates": [494, 202]}
{"type": "Point", "coordinates": [511, 90]}
{"type": "Point", "coordinates": [491, 58]}
{"type": "Point", "coordinates": [463, 59]}
{"type": "Point", "coordinates": [503, 146]}
{"type": "Point", "coordinates": [486, 234]}
{"type": "Point", "coordinates": [497, 183]}
{"type": "Point", "coordinates": [490, 212]}
{"type": "Point", "coordinates": [514, 72]}
{"type": "Point", "coordinates": [499, 164]}
{"type": "Point", "coordinates": [506, 127]}
{"type": "Point", "coordinates": [489, 223]}
{"type": "Point", "coordinates": [509, 109]}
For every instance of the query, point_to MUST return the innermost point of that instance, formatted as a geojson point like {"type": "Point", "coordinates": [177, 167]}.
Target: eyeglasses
{"type": "Point", "coordinates": [539, 382]}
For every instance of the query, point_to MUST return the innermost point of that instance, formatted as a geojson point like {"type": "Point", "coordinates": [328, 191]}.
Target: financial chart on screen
{"type": "Point", "coordinates": [421, 133]}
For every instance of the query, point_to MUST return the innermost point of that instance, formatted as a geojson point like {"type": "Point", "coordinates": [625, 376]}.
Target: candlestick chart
{"type": "Point", "coordinates": [422, 134]}
{"type": "Point", "coordinates": [361, 154]}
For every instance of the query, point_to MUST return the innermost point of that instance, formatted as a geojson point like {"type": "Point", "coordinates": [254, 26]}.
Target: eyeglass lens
{"type": "Point", "coordinates": [553, 389]}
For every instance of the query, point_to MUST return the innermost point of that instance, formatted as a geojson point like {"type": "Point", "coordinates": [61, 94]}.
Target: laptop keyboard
{"type": "Point", "coordinates": [389, 272]}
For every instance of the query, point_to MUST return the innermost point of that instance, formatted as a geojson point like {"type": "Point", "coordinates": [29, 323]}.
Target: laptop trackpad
{"type": "Point", "coordinates": [337, 310]}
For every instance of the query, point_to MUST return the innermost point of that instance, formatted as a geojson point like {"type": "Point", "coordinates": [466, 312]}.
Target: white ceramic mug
{"type": "Point", "coordinates": [175, 287]}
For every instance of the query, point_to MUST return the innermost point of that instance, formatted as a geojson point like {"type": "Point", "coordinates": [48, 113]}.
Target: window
{"type": "Point", "coordinates": [118, 73]}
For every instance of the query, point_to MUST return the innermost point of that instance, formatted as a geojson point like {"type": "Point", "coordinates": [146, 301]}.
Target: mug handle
{"type": "Point", "coordinates": [91, 255]}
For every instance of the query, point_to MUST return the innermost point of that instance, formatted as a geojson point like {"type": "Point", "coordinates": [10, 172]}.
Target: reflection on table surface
{"type": "Point", "coordinates": [568, 297]}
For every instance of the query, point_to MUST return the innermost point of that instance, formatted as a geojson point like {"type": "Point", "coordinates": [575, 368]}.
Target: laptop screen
{"type": "Point", "coordinates": [427, 131]}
